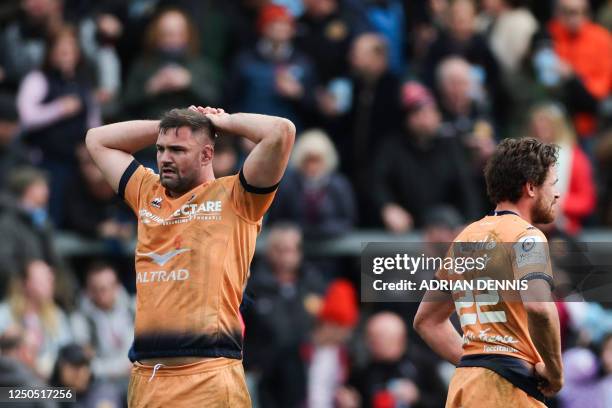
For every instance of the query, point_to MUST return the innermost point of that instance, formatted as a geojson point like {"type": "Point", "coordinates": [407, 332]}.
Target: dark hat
{"type": "Point", "coordinates": [443, 216]}
{"type": "Point", "coordinates": [74, 354]}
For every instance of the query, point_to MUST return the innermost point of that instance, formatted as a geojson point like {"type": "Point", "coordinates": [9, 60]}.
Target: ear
{"type": "Point", "coordinates": [207, 154]}
{"type": "Point", "coordinates": [530, 189]}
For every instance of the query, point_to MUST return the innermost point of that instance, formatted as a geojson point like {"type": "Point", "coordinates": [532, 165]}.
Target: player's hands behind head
{"type": "Point", "coordinates": [219, 118]}
{"type": "Point", "coordinates": [549, 383]}
{"type": "Point", "coordinates": [207, 110]}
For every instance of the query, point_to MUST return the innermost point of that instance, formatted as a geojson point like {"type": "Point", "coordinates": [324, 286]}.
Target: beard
{"type": "Point", "coordinates": [542, 213]}
{"type": "Point", "coordinates": [176, 183]}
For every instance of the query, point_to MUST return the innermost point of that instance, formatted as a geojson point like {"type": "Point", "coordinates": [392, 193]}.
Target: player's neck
{"type": "Point", "coordinates": [206, 175]}
{"type": "Point", "coordinates": [516, 208]}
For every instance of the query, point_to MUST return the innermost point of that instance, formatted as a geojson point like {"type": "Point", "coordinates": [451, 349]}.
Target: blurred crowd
{"type": "Point", "coordinates": [398, 105]}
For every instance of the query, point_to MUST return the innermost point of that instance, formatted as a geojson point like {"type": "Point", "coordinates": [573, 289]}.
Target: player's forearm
{"type": "Point", "coordinates": [442, 338]}
{"type": "Point", "coordinates": [259, 128]}
{"type": "Point", "coordinates": [128, 137]}
{"type": "Point", "coordinates": [545, 333]}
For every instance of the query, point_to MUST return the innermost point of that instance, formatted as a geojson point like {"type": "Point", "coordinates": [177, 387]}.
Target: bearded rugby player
{"type": "Point", "coordinates": [196, 239]}
{"type": "Point", "coordinates": [510, 352]}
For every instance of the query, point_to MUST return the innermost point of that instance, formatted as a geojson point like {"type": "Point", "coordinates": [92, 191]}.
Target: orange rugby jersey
{"type": "Point", "coordinates": [495, 321]}
{"type": "Point", "coordinates": [192, 263]}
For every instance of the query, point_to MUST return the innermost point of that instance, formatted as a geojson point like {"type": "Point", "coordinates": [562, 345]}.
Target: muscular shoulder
{"type": "Point", "coordinates": [227, 181]}
{"type": "Point", "coordinates": [521, 228]}
{"type": "Point", "coordinates": [504, 229]}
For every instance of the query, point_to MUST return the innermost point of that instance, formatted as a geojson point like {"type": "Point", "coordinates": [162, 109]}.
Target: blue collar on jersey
{"type": "Point", "coordinates": [503, 212]}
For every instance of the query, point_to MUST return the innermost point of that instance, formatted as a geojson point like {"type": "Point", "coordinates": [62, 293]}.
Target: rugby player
{"type": "Point", "coordinates": [510, 351]}
{"type": "Point", "coordinates": [196, 239]}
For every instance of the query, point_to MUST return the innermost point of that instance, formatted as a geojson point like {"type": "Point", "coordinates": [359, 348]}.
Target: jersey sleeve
{"type": "Point", "coordinates": [530, 256]}
{"type": "Point", "coordinates": [131, 184]}
{"type": "Point", "coordinates": [251, 202]}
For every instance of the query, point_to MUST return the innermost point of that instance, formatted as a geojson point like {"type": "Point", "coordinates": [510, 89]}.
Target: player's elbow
{"type": "Point", "coordinates": [290, 129]}
{"type": "Point", "coordinates": [420, 323]}
{"type": "Point", "coordinates": [285, 134]}
{"type": "Point", "coordinates": [91, 139]}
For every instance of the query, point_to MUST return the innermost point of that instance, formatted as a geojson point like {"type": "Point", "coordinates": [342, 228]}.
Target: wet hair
{"type": "Point", "coordinates": [197, 122]}
{"type": "Point", "coordinates": [516, 162]}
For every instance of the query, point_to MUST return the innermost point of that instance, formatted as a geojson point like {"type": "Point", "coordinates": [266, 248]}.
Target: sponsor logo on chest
{"type": "Point", "coordinates": [206, 211]}
{"type": "Point", "coordinates": [207, 207]}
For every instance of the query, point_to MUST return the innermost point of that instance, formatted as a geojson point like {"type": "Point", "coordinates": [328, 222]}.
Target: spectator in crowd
{"type": "Point", "coordinates": [576, 180]}
{"type": "Point", "coordinates": [273, 77]}
{"type": "Point", "coordinates": [510, 28]}
{"type": "Point", "coordinates": [396, 374]}
{"type": "Point", "coordinates": [425, 20]}
{"type": "Point", "coordinates": [30, 304]}
{"type": "Point", "coordinates": [582, 387]}
{"type": "Point", "coordinates": [100, 33]}
{"type": "Point", "coordinates": [56, 107]}
{"type": "Point", "coordinates": [93, 208]}
{"type": "Point", "coordinates": [226, 161]}
{"type": "Point", "coordinates": [589, 320]}
{"type": "Point", "coordinates": [170, 72]}
{"type": "Point", "coordinates": [26, 230]}
{"type": "Point", "coordinates": [224, 27]}
{"type": "Point", "coordinates": [286, 295]}
{"type": "Point", "coordinates": [23, 42]}
{"type": "Point", "coordinates": [107, 324]}
{"type": "Point", "coordinates": [314, 195]}
{"type": "Point", "coordinates": [374, 112]}
{"type": "Point", "coordinates": [464, 115]}
{"type": "Point", "coordinates": [606, 368]}
{"type": "Point", "coordinates": [460, 38]}
{"type": "Point", "coordinates": [73, 370]}
{"type": "Point", "coordinates": [584, 62]}
{"type": "Point", "coordinates": [16, 362]}
{"type": "Point", "coordinates": [324, 32]}
{"type": "Point", "coordinates": [327, 357]}
{"type": "Point", "coordinates": [12, 151]}
{"type": "Point", "coordinates": [442, 225]}
{"type": "Point", "coordinates": [387, 17]}
{"type": "Point", "coordinates": [399, 189]}
{"type": "Point", "coordinates": [462, 101]}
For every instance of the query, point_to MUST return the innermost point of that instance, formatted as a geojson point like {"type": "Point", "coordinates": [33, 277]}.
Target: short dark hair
{"type": "Point", "coordinates": [177, 118]}
{"type": "Point", "coordinates": [516, 162]}
{"type": "Point", "coordinates": [97, 266]}
{"type": "Point", "coordinates": [20, 178]}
